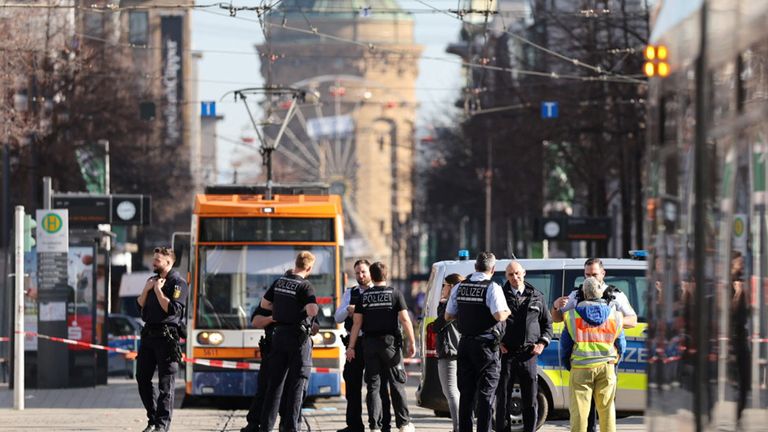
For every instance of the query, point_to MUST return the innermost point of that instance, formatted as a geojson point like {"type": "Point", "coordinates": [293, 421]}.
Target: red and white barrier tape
{"type": "Point", "coordinates": [5, 339]}
{"type": "Point", "coordinates": [224, 364]}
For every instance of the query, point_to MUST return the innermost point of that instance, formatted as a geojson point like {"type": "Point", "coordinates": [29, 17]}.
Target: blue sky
{"type": "Point", "coordinates": [230, 62]}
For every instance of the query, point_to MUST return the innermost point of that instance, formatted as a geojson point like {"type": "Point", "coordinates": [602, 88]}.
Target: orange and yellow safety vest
{"type": "Point", "coordinates": [593, 345]}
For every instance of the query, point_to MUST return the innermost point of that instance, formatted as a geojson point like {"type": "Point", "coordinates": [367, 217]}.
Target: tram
{"type": "Point", "coordinates": [706, 216]}
{"type": "Point", "coordinates": [243, 240]}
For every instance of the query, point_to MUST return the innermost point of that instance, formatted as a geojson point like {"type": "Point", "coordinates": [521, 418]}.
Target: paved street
{"type": "Point", "coordinates": [117, 407]}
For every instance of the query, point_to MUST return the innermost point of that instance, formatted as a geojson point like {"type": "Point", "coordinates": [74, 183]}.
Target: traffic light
{"type": "Point", "coordinates": [656, 61]}
{"type": "Point", "coordinates": [29, 235]}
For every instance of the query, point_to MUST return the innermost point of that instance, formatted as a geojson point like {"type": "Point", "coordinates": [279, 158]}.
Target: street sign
{"type": "Point", "coordinates": [85, 211]}
{"type": "Point", "coordinates": [573, 228]}
{"type": "Point", "coordinates": [90, 210]}
{"type": "Point", "coordinates": [208, 109]}
{"type": "Point", "coordinates": [550, 109]}
{"type": "Point", "coordinates": [52, 231]}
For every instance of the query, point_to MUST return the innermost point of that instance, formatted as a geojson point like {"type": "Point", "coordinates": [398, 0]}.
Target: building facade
{"type": "Point", "coordinates": [356, 130]}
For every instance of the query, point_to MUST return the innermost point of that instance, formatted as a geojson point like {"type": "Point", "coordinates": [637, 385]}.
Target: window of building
{"type": "Point", "coordinates": [93, 23]}
{"type": "Point", "coordinates": [138, 27]}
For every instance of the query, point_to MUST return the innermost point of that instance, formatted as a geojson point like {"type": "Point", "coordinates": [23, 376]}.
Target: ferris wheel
{"type": "Point", "coordinates": [320, 142]}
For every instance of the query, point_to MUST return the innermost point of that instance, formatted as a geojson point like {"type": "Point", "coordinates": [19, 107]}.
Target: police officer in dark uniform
{"type": "Point", "coordinates": [261, 319]}
{"type": "Point", "coordinates": [479, 306]}
{"type": "Point", "coordinates": [528, 331]}
{"type": "Point", "coordinates": [353, 370]}
{"type": "Point", "coordinates": [162, 304]}
{"type": "Point", "coordinates": [377, 314]}
{"type": "Point", "coordinates": [291, 298]}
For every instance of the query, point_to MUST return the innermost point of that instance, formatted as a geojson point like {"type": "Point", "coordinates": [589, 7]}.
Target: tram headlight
{"type": "Point", "coordinates": [324, 338]}
{"type": "Point", "coordinates": [210, 338]}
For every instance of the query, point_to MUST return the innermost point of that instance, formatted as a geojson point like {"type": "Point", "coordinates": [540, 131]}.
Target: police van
{"type": "Point", "coordinates": [555, 278]}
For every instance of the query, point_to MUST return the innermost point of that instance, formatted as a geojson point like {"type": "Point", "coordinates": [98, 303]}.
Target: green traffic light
{"type": "Point", "coordinates": [29, 237]}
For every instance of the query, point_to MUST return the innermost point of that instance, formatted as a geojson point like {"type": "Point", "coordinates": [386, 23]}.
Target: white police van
{"type": "Point", "coordinates": [555, 278]}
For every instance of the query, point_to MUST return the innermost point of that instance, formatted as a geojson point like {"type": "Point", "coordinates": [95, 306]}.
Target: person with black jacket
{"type": "Point", "coordinates": [379, 313]}
{"type": "Point", "coordinates": [354, 369]}
{"type": "Point", "coordinates": [447, 348]}
{"type": "Point", "coordinates": [291, 298]}
{"type": "Point", "coordinates": [479, 306]}
{"type": "Point", "coordinates": [528, 332]}
{"type": "Point", "coordinates": [162, 304]}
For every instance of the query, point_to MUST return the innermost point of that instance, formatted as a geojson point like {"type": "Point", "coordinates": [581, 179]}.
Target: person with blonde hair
{"type": "Point", "coordinates": [291, 298]}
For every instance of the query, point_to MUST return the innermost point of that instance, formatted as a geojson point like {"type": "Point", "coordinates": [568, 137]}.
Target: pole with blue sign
{"type": "Point", "coordinates": [208, 109]}
{"type": "Point", "coordinates": [550, 109]}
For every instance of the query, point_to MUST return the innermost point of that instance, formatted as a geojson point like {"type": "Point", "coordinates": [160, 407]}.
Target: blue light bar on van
{"type": "Point", "coordinates": [639, 254]}
{"type": "Point", "coordinates": [463, 254]}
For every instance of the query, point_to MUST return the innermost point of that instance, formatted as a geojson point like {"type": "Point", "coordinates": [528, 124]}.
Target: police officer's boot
{"type": "Point", "coordinates": [149, 428]}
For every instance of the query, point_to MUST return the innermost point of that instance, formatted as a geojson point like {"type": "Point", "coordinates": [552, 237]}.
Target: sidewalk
{"type": "Point", "coordinates": [120, 393]}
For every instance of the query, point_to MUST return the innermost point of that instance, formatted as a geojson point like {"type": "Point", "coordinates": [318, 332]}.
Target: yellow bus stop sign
{"type": "Point", "coordinates": [52, 223]}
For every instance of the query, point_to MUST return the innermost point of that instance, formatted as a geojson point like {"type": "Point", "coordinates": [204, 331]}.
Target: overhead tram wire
{"type": "Point", "coordinates": [574, 61]}
{"type": "Point", "coordinates": [204, 8]}
{"type": "Point", "coordinates": [373, 47]}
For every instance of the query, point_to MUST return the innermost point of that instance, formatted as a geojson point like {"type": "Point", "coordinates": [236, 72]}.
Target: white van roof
{"type": "Point", "coordinates": [468, 266]}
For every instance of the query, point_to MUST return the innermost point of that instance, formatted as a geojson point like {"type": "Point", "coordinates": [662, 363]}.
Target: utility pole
{"type": "Point", "coordinates": [18, 307]}
{"type": "Point", "coordinates": [488, 189]}
{"type": "Point", "coordinates": [701, 183]}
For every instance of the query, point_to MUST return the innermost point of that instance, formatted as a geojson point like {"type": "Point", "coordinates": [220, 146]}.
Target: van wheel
{"type": "Point", "coordinates": [543, 411]}
{"type": "Point", "coordinates": [516, 414]}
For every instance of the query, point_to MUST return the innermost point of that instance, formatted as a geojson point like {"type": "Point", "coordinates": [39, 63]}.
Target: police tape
{"type": "Point", "coordinates": [224, 364]}
{"type": "Point", "coordinates": [5, 339]}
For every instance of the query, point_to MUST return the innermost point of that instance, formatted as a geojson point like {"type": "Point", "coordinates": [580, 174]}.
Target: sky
{"type": "Point", "coordinates": [229, 62]}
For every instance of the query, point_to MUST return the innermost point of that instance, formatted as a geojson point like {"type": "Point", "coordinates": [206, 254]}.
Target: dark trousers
{"type": "Point", "coordinates": [290, 364]}
{"type": "Point", "coordinates": [155, 354]}
{"type": "Point", "coordinates": [478, 376]}
{"type": "Point", "coordinates": [384, 364]}
{"type": "Point", "coordinates": [520, 369]}
{"type": "Point", "coordinates": [254, 412]}
{"type": "Point", "coordinates": [353, 378]}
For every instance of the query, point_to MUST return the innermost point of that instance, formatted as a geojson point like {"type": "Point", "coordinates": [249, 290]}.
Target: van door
{"type": "Point", "coordinates": [632, 378]}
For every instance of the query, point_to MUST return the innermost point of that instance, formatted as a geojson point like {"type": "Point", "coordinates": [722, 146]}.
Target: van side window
{"type": "Point", "coordinates": [631, 282]}
{"type": "Point", "coordinates": [549, 282]}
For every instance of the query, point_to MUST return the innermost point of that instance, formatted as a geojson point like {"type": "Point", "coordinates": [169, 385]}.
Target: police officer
{"type": "Point", "coordinates": [353, 370]}
{"type": "Point", "coordinates": [261, 319]}
{"type": "Point", "coordinates": [528, 331]}
{"type": "Point", "coordinates": [377, 313]}
{"type": "Point", "coordinates": [291, 298]}
{"type": "Point", "coordinates": [593, 267]}
{"type": "Point", "coordinates": [479, 306]}
{"type": "Point", "coordinates": [162, 304]}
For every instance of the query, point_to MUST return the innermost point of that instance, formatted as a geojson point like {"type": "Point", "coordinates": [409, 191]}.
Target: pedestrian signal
{"type": "Point", "coordinates": [29, 235]}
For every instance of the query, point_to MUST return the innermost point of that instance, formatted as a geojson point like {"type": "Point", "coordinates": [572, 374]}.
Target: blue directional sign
{"type": "Point", "coordinates": [550, 109]}
{"type": "Point", "coordinates": [208, 109]}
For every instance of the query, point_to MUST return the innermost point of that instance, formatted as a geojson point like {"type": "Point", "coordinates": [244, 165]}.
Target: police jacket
{"type": "Point", "coordinates": [176, 290]}
{"type": "Point", "coordinates": [529, 321]}
{"type": "Point", "coordinates": [289, 295]}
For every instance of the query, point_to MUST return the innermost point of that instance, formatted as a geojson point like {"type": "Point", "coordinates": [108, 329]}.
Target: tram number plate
{"type": "Point", "coordinates": [213, 352]}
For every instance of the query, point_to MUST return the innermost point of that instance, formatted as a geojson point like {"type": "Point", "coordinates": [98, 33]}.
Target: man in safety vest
{"type": "Point", "coordinates": [592, 344]}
